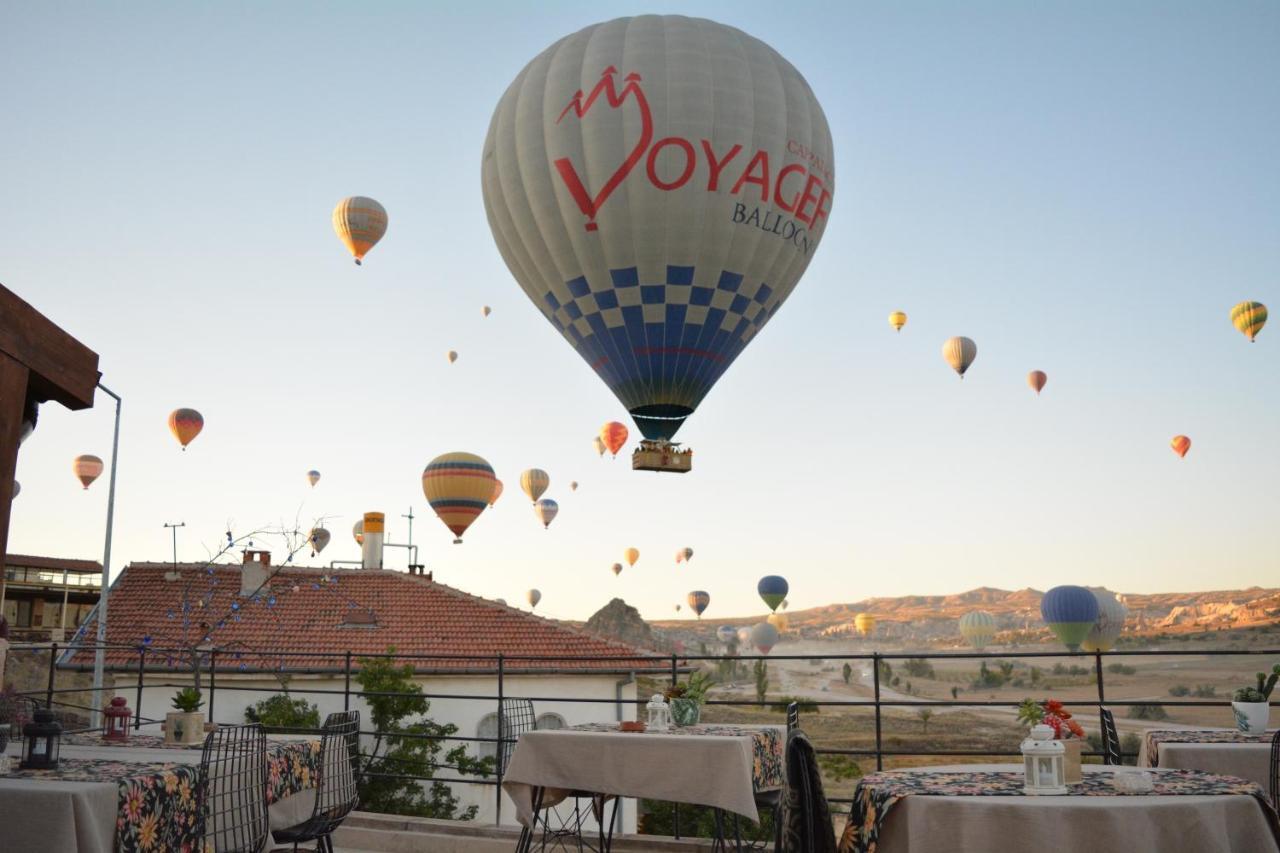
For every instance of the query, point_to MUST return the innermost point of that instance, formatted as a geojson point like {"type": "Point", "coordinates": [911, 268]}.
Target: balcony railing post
{"type": "Point", "coordinates": [213, 680]}
{"type": "Point", "coordinates": [675, 817]}
{"type": "Point", "coordinates": [137, 701]}
{"type": "Point", "coordinates": [346, 683]}
{"type": "Point", "coordinates": [53, 658]}
{"type": "Point", "coordinates": [497, 805]}
{"type": "Point", "coordinates": [675, 674]}
{"type": "Point", "coordinates": [1097, 668]}
{"type": "Point", "coordinates": [875, 681]}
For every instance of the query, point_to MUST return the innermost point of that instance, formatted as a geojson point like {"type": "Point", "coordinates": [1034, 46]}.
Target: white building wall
{"type": "Point", "coordinates": [550, 694]}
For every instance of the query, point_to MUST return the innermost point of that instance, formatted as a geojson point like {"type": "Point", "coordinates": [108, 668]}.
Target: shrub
{"type": "Point", "coordinates": [1205, 691]}
{"type": "Point", "coordinates": [1120, 669]}
{"type": "Point", "coordinates": [283, 712]}
{"type": "Point", "coordinates": [806, 705]}
{"type": "Point", "coordinates": [918, 668]}
{"type": "Point", "coordinates": [1179, 690]}
{"type": "Point", "coordinates": [839, 768]}
{"type": "Point", "coordinates": [1147, 712]}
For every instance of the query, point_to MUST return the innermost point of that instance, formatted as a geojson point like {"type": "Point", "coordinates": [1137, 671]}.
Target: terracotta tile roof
{"type": "Point", "coordinates": [325, 613]}
{"type": "Point", "coordinates": [26, 561]}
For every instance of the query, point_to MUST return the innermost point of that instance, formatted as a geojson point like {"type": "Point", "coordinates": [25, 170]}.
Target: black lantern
{"type": "Point", "coordinates": [40, 749]}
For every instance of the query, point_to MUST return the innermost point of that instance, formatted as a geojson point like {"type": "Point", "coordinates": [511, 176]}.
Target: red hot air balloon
{"type": "Point", "coordinates": [614, 435]}
{"type": "Point", "coordinates": [1180, 444]}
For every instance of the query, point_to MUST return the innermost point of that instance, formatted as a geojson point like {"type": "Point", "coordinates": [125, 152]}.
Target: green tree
{"type": "Point", "coordinates": [925, 714]}
{"type": "Point", "coordinates": [409, 745]}
{"type": "Point", "coordinates": [762, 680]}
{"type": "Point", "coordinates": [847, 672]}
{"type": "Point", "coordinates": [284, 712]}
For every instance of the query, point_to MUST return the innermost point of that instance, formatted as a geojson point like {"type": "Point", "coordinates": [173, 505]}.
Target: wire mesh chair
{"type": "Point", "coordinates": [517, 717]}
{"type": "Point", "coordinates": [1110, 738]}
{"type": "Point", "coordinates": [1275, 772]}
{"type": "Point", "coordinates": [336, 793]}
{"type": "Point", "coordinates": [233, 789]}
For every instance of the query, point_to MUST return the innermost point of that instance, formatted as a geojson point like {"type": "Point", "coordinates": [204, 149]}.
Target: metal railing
{"type": "Point", "coordinates": [146, 663]}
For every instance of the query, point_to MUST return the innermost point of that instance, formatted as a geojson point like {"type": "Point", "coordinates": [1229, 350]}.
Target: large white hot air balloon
{"type": "Point", "coordinates": [1109, 624]}
{"type": "Point", "coordinates": [978, 627]}
{"type": "Point", "coordinates": [533, 596]}
{"type": "Point", "coordinates": [657, 185]}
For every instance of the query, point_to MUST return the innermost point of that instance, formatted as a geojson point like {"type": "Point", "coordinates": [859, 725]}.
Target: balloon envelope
{"type": "Point", "coordinates": [657, 185]}
{"type": "Point", "coordinates": [744, 635]}
{"type": "Point", "coordinates": [452, 356]}
{"type": "Point", "coordinates": [497, 492]}
{"type": "Point", "coordinates": [598, 444]}
{"type": "Point", "coordinates": [319, 539]}
{"type": "Point", "coordinates": [764, 637]}
{"type": "Point", "coordinates": [614, 435]}
{"type": "Point", "coordinates": [533, 596]}
{"type": "Point", "coordinates": [772, 589]}
{"type": "Point", "coordinates": [1249, 318]}
{"type": "Point", "coordinates": [87, 467]}
{"type": "Point", "coordinates": [573, 485]}
{"type": "Point", "coordinates": [17, 489]}
{"type": "Point", "coordinates": [978, 627]}
{"type": "Point", "coordinates": [485, 310]}
{"type": "Point", "coordinates": [357, 532]}
{"type": "Point", "coordinates": [898, 319]}
{"type": "Point", "coordinates": [698, 600]}
{"type": "Point", "coordinates": [865, 624]}
{"type": "Point", "coordinates": [359, 223]}
{"type": "Point", "coordinates": [617, 569]}
{"type": "Point", "coordinates": [313, 477]}
{"type": "Point", "coordinates": [631, 554]}
{"type": "Point", "coordinates": [779, 621]}
{"type": "Point", "coordinates": [1180, 444]}
{"type": "Point", "coordinates": [458, 486]}
{"type": "Point", "coordinates": [1036, 380]}
{"type": "Point", "coordinates": [534, 482]}
{"type": "Point", "coordinates": [546, 510]}
{"type": "Point", "coordinates": [185, 424]}
{"type": "Point", "coordinates": [1107, 627]}
{"type": "Point", "coordinates": [959, 353]}
{"type": "Point", "coordinates": [687, 553]}
{"type": "Point", "coordinates": [726, 634]}
{"type": "Point", "coordinates": [1070, 612]}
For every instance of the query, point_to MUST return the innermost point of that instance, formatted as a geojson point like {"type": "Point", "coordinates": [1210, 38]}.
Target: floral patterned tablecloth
{"type": "Point", "coordinates": [158, 810]}
{"type": "Point", "coordinates": [1156, 737]}
{"type": "Point", "coordinates": [766, 745]}
{"type": "Point", "coordinates": [876, 794]}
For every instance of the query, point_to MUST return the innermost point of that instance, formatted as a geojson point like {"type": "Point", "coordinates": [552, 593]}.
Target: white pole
{"type": "Point", "coordinates": [99, 655]}
{"type": "Point", "coordinates": [62, 629]}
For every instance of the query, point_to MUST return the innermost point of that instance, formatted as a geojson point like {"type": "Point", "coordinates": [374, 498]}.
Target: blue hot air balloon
{"type": "Point", "coordinates": [773, 589]}
{"type": "Point", "coordinates": [1070, 612]}
{"type": "Point", "coordinates": [698, 601]}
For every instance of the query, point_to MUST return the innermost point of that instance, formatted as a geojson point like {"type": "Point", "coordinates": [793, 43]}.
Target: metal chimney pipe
{"type": "Point", "coordinates": [371, 549]}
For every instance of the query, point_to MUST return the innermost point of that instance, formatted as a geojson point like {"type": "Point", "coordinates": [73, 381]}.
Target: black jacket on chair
{"type": "Point", "coordinates": [806, 820]}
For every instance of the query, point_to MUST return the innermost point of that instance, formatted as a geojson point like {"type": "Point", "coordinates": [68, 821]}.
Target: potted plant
{"type": "Point", "coordinates": [686, 698]}
{"type": "Point", "coordinates": [1251, 705]}
{"type": "Point", "coordinates": [1051, 713]}
{"type": "Point", "coordinates": [186, 724]}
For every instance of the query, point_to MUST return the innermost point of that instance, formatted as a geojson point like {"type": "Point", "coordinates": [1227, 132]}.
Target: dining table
{"type": "Point", "coordinates": [139, 795]}
{"type": "Point", "coordinates": [1226, 751]}
{"type": "Point", "coordinates": [983, 807]}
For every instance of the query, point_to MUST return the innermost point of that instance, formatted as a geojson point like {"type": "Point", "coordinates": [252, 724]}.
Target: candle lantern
{"type": "Point", "coordinates": [42, 736]}
{"type": "Point", "coordinates": [116, 720]}
{"type": "Point", "coordinates": [659, 714]}
{"type": "Point", "coordinates": [1043, 763]}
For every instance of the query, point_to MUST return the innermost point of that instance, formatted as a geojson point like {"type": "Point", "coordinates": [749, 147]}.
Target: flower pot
{"type": "Point", "coordinates": [184, 728]}
{"type": "Point", "coordinates": [685, 712]}
{"type": "Point", "coordinates": [1071, 760]}
{"type": "Point", "coordinates": [1251, 717]}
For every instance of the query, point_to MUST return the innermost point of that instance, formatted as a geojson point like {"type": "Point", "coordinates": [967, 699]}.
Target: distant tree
{"type": "Point", "coordinates": [955, 692]}
{"type": "Point", "coordinates": [1036, 675]}
{"type": "Point", "coordinates": [762, 680]}
{"type": "Point", "coordinates": [925, 714]}
{"type": "Point", "coordinates": [886, 670]}
{"type": "Point", "coordinates": [847, 672]}
{"type": "Point", "coordinates": [918, 668]}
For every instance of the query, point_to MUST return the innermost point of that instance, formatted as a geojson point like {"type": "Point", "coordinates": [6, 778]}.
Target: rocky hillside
{"type": "Point", "coordinates": [618, 620]}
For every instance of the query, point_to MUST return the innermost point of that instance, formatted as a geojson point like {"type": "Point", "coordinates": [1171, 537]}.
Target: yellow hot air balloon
{"type": "Point", "coordinates": [865, 623]}
{"type": "Point", "coordinates": [484, 310]}
{"type": "Point", "coordinates": [631, 555]}
{"type": "Point", "coordinates": [1249, 318]}
{"type": "Point", "coordinates": [534, 482]}
{"type": "Point", "coordinates": [185, 424]}
{"type": "Point", "coordinates": [458, 486]}
{"type": "Point", "coordinates": [779, 621]}
{"type": "Point", "coordinates": [87, 467]}
{"type": "Point", "coordinates": [497, 492]}
{"type": "Point", "coordinates": [959, 353]}
{"type": "Point", "coordinates": [1180, 444]}
{"type": "Point", "coordinates": [598, 444]}
{"type": "Point", "coordinates": [898, 319]}
{"type": "Point", "coordinates": [360, 223]}
{"type": "Point", "coordinates": [452, 356]}
{"type": "Point", "coordinates": [1036, 380]}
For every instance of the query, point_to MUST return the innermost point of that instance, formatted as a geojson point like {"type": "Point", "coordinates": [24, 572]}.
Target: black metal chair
{"type": "Point", "coordinates": [1110, 738]}
{"type": "Point", "coordinates": [1275, 772]}
{"type": "Point", "coordinates": [516, 717]}
{"type": "Point", "coordinates": [806, 817]}
{"type": "Point", "coordinates": [233, 789]}
{"type": "Point", "coordinates": [336, 793]}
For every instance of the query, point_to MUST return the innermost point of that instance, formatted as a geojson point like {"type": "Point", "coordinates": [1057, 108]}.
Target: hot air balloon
{"type": "Point", "coordinates": [779, 621]}
{"type": "Point", "coordinates": [687, 553]}
{"type": "Point", "coordinates": [772, 589]}
{"type": "Point", "coordinates": [698, 601]}
{"type": "Point", "coordinates": [617, 569]}
{"type": "Point", "coordinates": [726, 634]}
{"type": "Point", "coordinates": [744, 635]}
{"type": "Point", "coordinates": [313, 477]}
{"type": "Point", "coordinates": [598, 444]}
{"type": "Point", "coordinates": [17, 490]}
{"type": "Point", "coordinates": [546, 510]}
{"type": "Point", "coordinates": [573, 485]}
{"type": "Point", "coordinates": [452, 356]}
{"type": "Point", "coordinates": [360, 223]}
{"type": "Point", "coordinates": [898, 319]}
{"type": "Point", "coordinates": [87, 467]}
{"type": "Point", "coordinates": [614, 435]}
{"type": "Point", "coordinates": [319, 539]}
{"type": "Point", "coordinates": [1107, 627]}
{"type": "Point", "coordinates": [865, 623]}
{"type": "Point", "coordinates": [534, 482]}
{"type": "Point", "coordinates": [959, 353]}
{"type": "Point", "coordinates": [458, 486]}
{"type": "Point", "coordinates": [1070, 612]}
{"type": "Point", "coordinates": [680, 556]}
{"type": "Point", "coordinates": [676, 232]}
{"type": "Point", "coordinates": [185, 424]}
{"type": "Point", "coordinates": [1036, 380]}
{"type": "Point", "coordinates": [785, 604]}
{"type": "Point", "coordinates": [533, 596]}
{"type": "Point", "coordinates": [1180, 444]}
{"type": "Point", "coordinates": [631, 555]}
{"type": "Point", "coordinates": [484, 310]}
{"type": "Point", "coordinates": [497, 492]}
{"type": "Point", "coordinates": [1249, 318]}
{"type": "Point", "coordinates": [677, 608]}
{"type": "Point", "coordinates": [357, 532]}
{"type": "Point", "coordinates": [764, 637]}
{"type": "Point", "coordinates": [978, 627]}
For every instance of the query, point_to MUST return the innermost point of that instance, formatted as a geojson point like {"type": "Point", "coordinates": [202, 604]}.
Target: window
{"type": "Point", "coordinates": [487, 728]}
{"type": "Point", "coordinates": [550, 721]}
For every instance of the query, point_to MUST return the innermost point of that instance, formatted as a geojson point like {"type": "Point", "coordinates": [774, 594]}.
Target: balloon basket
{"type": "Point", "coordinates": [661, 456]}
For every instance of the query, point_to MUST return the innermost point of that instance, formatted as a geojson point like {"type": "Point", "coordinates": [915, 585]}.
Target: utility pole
{"type": "Point", "coordinates": [410, 517]}
{"type": "Point", "coordinates": [175, 540]}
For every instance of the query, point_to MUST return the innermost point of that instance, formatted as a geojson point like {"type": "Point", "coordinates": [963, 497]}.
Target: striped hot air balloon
{"type": "Point", "coordinates": [959, 353]}
{"type": "Point", "coordinates": [772, 590]}
{"type": "Point", "coordinates": [1249, 318]}
{"type": "Point", "coordinates": [546, 510]}
{"type": "Point", "coordinates": [1036, 380]}
{"type": "Point", "coordinates": [360, 223]}
{"type": "Point", "coordinates": [898, 319]}
{"type": "Point", "coordinates": [458, 486]}
{"type": "Point", "coordinates": [865, 624]}
{"type": "Point", "coordinates": [614, 435]}
{"type": "Point", "coordinates": [1180, 444]}
{"type": "Point", "coordinates": [1070, 612]}
{"type": "Point", "coordinates": [631, 555]}
{"type": "Point", "coordinates": [726, 634]}
{"type": "Point", "coordinates": [978, 627]}
{"type": "Point", "coordinates": [313, 477]}
{"type": "Point", "coordinates": [698, 601]}
{"type": "Point", "coordinates": [1108, 626]}
{"type": "Point", "coordinates": [764, 637]}
{"type": "Point", "coordinates": [185, 424]}
{"type": "Point", "coordinates": [534, 483]}
{"type": "Point", "coordinates": [87, 467]}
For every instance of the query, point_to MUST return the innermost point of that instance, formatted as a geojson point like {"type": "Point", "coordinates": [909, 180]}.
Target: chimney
{"type": "Point", "coordinates": [371, 548]}
{"type": "Point", "coordinates": [254, 571]}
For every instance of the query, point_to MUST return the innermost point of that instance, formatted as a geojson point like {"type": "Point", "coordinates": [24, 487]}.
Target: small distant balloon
{"type": "Point", "coordinates": [87, 467]}
{"type": "Point", "coordinates": [485, 310]}
{"type": "Point", "coordinates": [677, 608]}
{"type": "Point", "coordinates": [533, 596]}
{"type": "Point", "coordinates": [573, 485]}
{"type": "Point", "coordinates": [898, 319]}
{"type": "Point", "coordinates": [631, 555]}
{"type": "Point", "coordinates": [185, 424]}
{"type": "Point", "coordinates": [614, 435]}
{"type": "Point", "coordinates": [313, 477]}
{"type": "Point", "coordinates": [357, 531]}
{"type": "Point", "coordinates": [1036, 380]}
{"type": "Point", "coordinates": [598, 444]}
{"type": "Point", "coordinates": [687, 553]}
{"type": "Point", "coordinates": [534, 483]}
{"type": "Point", "coordinates": [959, 352]}
{"type": "Point", "coordinates": [617, 569]}
{"type": "Point", "coordinates": [744, 635]}
{"type": "Point", "coordinates": [726, 634]}
{"type": "Point", "coordinates": [546, 510]}
{"type": "Point", "coordinates": [319, 538]}
{"type": "Point", "coordinates": [360, 223]}
{"type": "Point", "coordinates": [17, 489]}
{"type": "Point", "coordinates": [497, 492]}
{"type": "Point", "coordinates": [785, 604]}
{"type": "Point", "coordinates": [680, 556]}
{"type": "Point", "coordinates": [1180, 444]}
{"type": "Point", "coordinates": [1249, 318]}
{"type": "Point", "coordinates": [764, 637]}
{"type": "Point", "coordinates": [452, 355]}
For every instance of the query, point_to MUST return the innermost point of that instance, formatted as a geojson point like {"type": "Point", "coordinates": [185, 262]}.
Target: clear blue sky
{"type": "Point", "coordinates": [1085, 188]}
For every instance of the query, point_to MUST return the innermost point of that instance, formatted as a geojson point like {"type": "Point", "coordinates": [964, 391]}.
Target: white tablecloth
{"type": "Point", "coordinates": [1250, 761]}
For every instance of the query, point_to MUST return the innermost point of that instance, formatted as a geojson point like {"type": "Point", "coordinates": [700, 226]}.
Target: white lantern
{"type": "Point", "coordinates": [1042, 763]}
{"type": "Point", "coordinates": [659, 714]}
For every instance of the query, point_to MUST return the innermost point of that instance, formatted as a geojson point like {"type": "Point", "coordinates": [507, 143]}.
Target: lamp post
{"type": "Point", "coordinates": [99, 654]}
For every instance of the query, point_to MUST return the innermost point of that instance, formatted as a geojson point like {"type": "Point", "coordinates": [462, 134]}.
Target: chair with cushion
{"type": "Point", "coordinates": [336, 793]}
{"type": "Point", "coordinates": [1110, 738]}
{"type": "Point", "coordinates": [232, 796]}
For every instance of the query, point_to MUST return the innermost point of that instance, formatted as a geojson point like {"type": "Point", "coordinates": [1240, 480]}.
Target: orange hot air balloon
{"type": "Point", "coordinates": [632, 555]}
{"type": "Point", "coordinates": [185, 424]}
{"type": "Point", "coordinates": [1036, 380]}
{"type": "Point", "coordinates": [614, 435]}
{"type": "Point", "coordinates": [497, 492]}
{"type": "Point", "coordinates": [360, 223]}
{"type": "Point", "coordinates": [87, 467]}
{"type": "Point", "coordinates": [1180, 444]}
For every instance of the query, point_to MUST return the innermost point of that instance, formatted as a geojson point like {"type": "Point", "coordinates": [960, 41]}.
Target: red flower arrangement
{"type": "Point", "coordinates": [1053, 714]}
